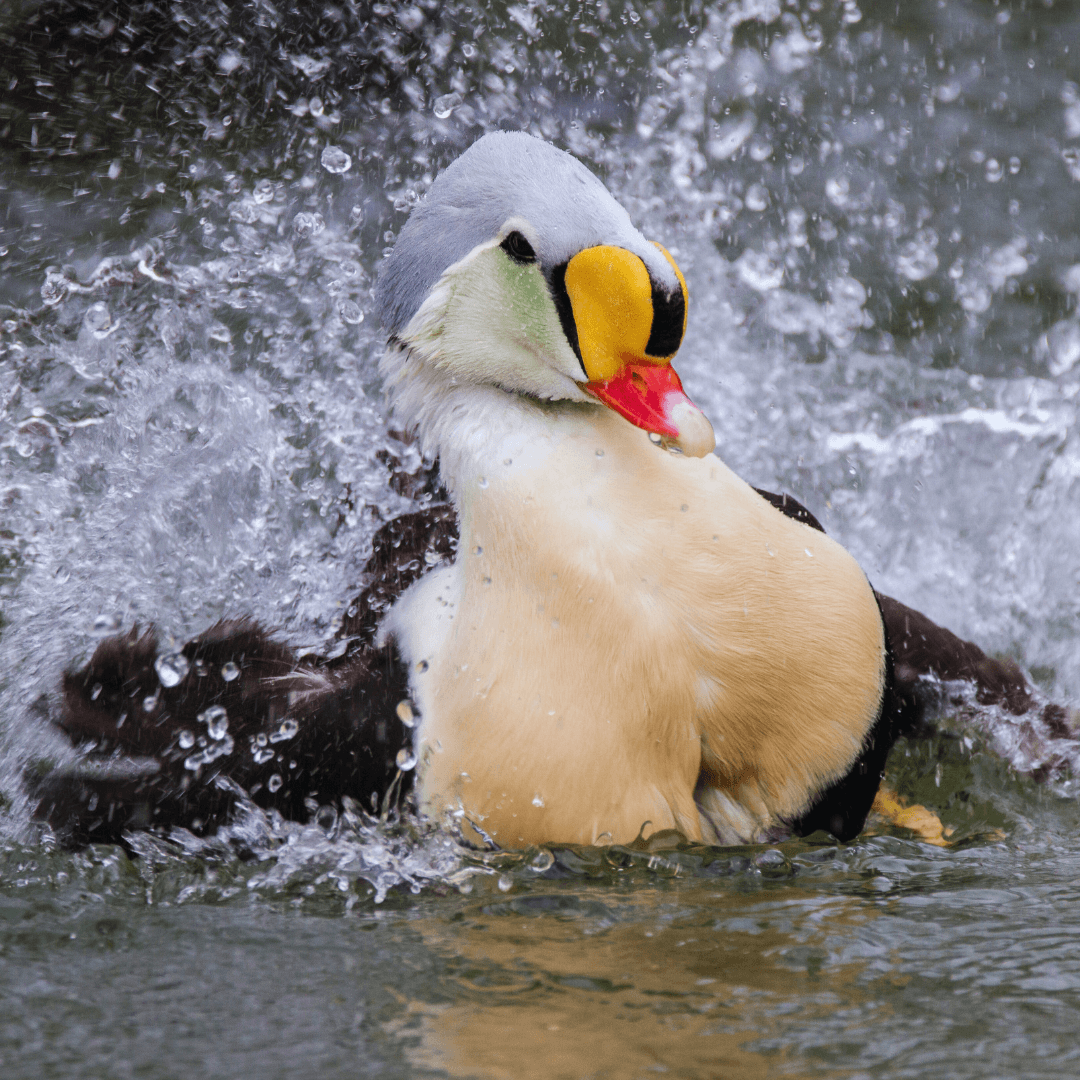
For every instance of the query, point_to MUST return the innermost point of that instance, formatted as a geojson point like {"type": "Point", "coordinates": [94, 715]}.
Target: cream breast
{"type": "Point", "coordinates": [632, 638]}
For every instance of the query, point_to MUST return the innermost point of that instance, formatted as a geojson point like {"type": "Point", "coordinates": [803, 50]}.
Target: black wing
{"type": "Point", "coordinates": [170, 740]}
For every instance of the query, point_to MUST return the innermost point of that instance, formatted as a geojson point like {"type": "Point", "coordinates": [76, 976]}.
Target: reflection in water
{"type": "Point", "coordinates": [553, 984]}
{"type": "Point", "coordinates": [885, 957]}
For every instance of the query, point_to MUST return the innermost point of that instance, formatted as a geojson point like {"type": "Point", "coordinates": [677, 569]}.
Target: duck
{"type": "Point", "coordinates": [593, 632]}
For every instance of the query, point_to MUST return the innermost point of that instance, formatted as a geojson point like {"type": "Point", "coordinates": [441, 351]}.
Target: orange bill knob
{"type": "Point", "coordinates": [651, 397]}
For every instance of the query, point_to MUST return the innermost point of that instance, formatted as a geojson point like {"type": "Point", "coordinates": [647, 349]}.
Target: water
{"type": "Point", "coordinates": [875, 209]}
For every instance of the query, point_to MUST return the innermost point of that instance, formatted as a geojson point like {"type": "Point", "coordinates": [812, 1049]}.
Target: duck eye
{"type": "Point", "coordinates": [518, 248]}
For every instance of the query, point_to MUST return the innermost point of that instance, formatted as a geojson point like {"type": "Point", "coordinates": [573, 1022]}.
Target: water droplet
{"type": "Point", "coordinates": [263, 191]}
{"type": "Point", "coordinates": [55, 288]}
{"type": "Point", "coordinates": [730, 136]}
{"type": "Point", "coordinates": [809, 553]}
{"type": "Point", "coordinates": [326, 819]}
{"type": "Point", "coordinates": [485, 581]}
{"type": "Point", "coordinates": [770, 860]}
{"type": "Point", "coordinates": [1063, 346]}
{"type": "Point", "coordinates": [261, 738]}
{"type": "Point", "coordinates": [852, 14]}
{"type": "Point", "coordinates": [837, 190]}
{"type": "Point", "coordinates": [316, 106]}
{"type": "Point", "coordinates": [506, 883]}
{"type": "Point", "coordinates": [994, 170]}
{"type": "Point", "coordinates": [307, 224]}
{"type": "Point", "coordinates": [171, 669]}
{"type": "Point", "coordinates": [421, 666]}
{"type": "Point", "coordinates": [917, 259]}
{"type": "Point", "coordinates": [350, 312]}
{"type": "Point", "coordinates": [216, 720]}
{"type": "Point", "coordinates": [655, 437]}
{"type": "Point", "coordinates": [98, 320]}
{"type": "Point", "coordinates": [95, 691]}
{"type": "Point", "coordinates": [274, 783]}
{"type": "Point", "coordinates": [335, 160]}
{"type": "Point", "coordinates": [220, 332]}
{"type": "Point", "coordinates": [1014, 165]}
{"type": "Point", "coordinates": [261, 754]}
{"type": "Point", "coordinates": [149, 703]}
{"type": "Point", "coordinates": [114, 169]}
{"type": "Point", "coordinates": [542, 861]}
{"type": "Point", "coordinates": [760, 150]}
{"type": "Point", "coordinates": [229, 61]}
{"type": "Point", "coordinates": [599, 453]}
{"type": "Point", "coordinates": [684, 507]}
{"type": "Point", "coordinates": [947, 93]}
{"type": "Point", "coordinates": [445, 104]}
{"type": "Point", "coordinates": [356, 216]}
{"type": "Point", "coordinates": [229, 671]}
{"type": "Point", "coordinates": [186, 740]}
{"type": "Point", "coordinates": [482, 482]}
{"type": "Point", "coordinates": [537, 800]}
{"type": "Point", "coordinates": [469, 51]}
{"type": "Point", "coordinates": [478, 550]}
{"type": "Point", "coordinates": [106, 624]}
{"type": "Point", "coordinates": [406, 760]}
{"type": "Point", "coordinates": [757, 198]}
{"type": "Point", "coordinates": [405, 713]}
{"type": "Point", "coordinates": [759, 271]}
{"type": "Point", "coordinates": [286, 730]}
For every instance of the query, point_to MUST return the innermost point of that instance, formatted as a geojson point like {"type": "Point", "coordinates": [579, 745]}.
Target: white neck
{"type": "Point", "coordinates": [470, 427]}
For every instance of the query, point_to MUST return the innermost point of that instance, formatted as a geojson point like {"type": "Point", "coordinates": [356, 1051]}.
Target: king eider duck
{"type": "Point", "coordinates": [603, 633]}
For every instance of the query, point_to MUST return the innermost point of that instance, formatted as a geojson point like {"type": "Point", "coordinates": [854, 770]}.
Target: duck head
{"type": "Point", "coordinates": [520, 271]}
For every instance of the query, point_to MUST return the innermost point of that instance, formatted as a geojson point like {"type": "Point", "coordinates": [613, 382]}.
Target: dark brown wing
{"type": "Point", "coordinates": [921, 647]}
{"type": "Point", "coordinates": [791, 508]}
{"type": "Point", "coordinates": [236, 709]}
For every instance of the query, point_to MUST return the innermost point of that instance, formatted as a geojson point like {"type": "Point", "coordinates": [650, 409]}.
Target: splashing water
{"type": "Point", "coordinates": [883, 314]}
